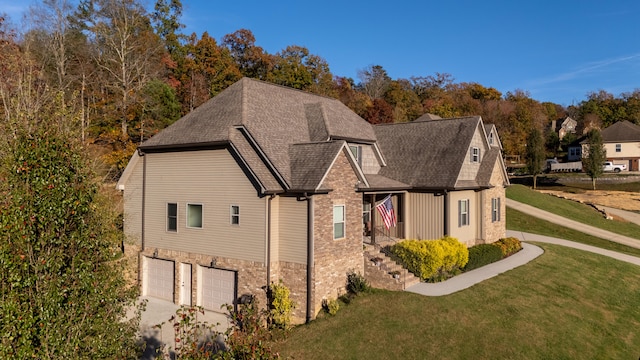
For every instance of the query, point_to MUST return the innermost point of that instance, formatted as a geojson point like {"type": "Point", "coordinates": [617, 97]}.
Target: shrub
{"type": "Point", "coordinates": [356, 283]}
{"type": "Point", "coordinates": [481, 255]}
{"type": "Point", "coordinates": [508, 246]}
{"type": "Point", "coordinates": [280, 307]}
{"type": "Point", "coordinates": [431, 260]}
{"type": "Point", "coordinates": [331, 306]}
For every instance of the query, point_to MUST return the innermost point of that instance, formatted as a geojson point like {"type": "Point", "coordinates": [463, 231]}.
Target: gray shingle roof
{"type": "Point", "coordinates": [426, 154]}
{"type": "Point", "coordinates": [310, 162]}
{"type": "Point", "coordinates": [273, 116]}
{"type": "Point", "coordinates": [622, 131]}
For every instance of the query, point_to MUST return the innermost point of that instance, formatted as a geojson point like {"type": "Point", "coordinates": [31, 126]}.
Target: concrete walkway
{"type": "Point", "coordinates": [587, 229]}
{"type": "Point", "coordinates": [627, 215]}
{"type": "Point", "coordinates": [468, 279]}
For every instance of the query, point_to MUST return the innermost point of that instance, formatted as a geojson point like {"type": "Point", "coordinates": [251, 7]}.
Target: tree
{"type": "Point", "coordinates": [252, 61]}
{"type": "Point", "coordinates": [535, 154]}
{"type": "Point", "coordinates": [594, 156]}
{"type": "Point", "coordinates": [552, 142]}
{"type": "Point", "coordinates": [62, 286]}
{"type": "Point", "coordinates": [374, 81]}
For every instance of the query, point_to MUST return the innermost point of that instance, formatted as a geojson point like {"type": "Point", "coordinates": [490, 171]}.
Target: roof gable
{"type": "Point", "coordinates": [427, 154]}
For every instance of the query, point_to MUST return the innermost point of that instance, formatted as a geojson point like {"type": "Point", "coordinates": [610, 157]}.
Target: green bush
{"type": "Point", "coordinates": [356, 283]}
{"type": "Point", "coordinates": [483, 254]}
{"type": "Point", "coordinates": [331, 306]}
{"type": "Point", "coordinates": [508, 246]}
{"type": "Point", "coordinates": [431, 260]}
{"type": "Point", "coordinates": [281, 306]}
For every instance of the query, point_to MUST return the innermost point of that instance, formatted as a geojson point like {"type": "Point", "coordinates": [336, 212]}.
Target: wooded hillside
{"type": "Point", "coordinates": [113, 73]}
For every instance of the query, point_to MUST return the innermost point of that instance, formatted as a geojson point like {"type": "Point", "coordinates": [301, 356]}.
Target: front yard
{"type": "Point", "coordinates": [566, 304]}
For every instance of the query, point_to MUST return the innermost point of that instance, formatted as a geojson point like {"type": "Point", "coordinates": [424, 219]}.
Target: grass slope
{"type": "Point", "coordinates": [566, 304]}
{"type": "Point", "coordinates": [571, 210]}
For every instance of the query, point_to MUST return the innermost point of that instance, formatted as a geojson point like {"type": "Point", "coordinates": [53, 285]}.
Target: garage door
{"type": "Point", "coordinates": [218, 287]}
{"type": "Point", "coordinates": [159, 279]}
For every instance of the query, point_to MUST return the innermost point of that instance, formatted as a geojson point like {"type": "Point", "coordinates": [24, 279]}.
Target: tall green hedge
{"type": "Point", "coordinates": [430, 259]}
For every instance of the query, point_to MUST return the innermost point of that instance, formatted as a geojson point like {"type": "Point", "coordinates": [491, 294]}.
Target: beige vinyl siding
{"type": "Point", "coordinates": [214, 179]}
{"type": "Point", "coordinates": [627, 149]}
{"type": "Point", "coordinates": [425, 216]}
{"type": "Point", "coordinates": [132, 197]}
{"type": "Point", "coordinates": [292, 225]}
{"type": "Point", "coordinates": [466, 234]}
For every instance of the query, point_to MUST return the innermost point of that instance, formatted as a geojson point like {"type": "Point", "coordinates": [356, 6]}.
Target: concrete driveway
{"type": "Point", "coordinates": [158, 312]}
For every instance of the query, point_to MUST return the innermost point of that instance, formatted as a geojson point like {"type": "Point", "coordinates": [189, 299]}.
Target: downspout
{"type": "Point", "coordinates": [446, 213]}
{"type": "Point", "coordinates": [142, 213]}
{"type": "Point", "coordinates": [310, 259]}
{"type": "Point", "coordinates": [269, 239]}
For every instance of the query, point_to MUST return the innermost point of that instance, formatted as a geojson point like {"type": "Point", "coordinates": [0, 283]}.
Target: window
{"type": "Point", "coordinates": [172, 217]}
{"type": "Point", "coordinates": [495, 209]}
{"type": "Point", "coordinates": [491, 138]}
{"type": "Point", "coordinates": [475, 154]}
{"type": "Point", "coordinates": [194, 216]}
{"type": "Point", "coordinates": [338, 221]}
{"type": "Point", "coordinates": [618, 147]}
{"type": "Point", "coordinates": [463, 212]}
{"type": "Point", "coordinates": [235, 215]}
{"type": "Point", "coordinates": [357, 153]}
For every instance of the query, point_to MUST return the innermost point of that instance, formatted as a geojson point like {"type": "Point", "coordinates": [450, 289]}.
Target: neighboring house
{"type": "Point", "coordinates": [622, 144]}
{"type": "Point", "coordinates": [567, 126]}
{"type": "Point", "coordinates": [265, 183]}
{"type": "Point", "coordinates": [574, 150]}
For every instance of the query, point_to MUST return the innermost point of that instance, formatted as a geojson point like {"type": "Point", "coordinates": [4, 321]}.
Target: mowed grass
{"type": "Point", "coordinates": [566, 304]}
{"type": "Point", "coordinates": [520, 221]}
{"type": "Point", "coordinates": [572, 210]}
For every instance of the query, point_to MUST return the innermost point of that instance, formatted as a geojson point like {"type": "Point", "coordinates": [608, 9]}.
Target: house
{"type": "Point", "coordinates": [264, 183]}
{"type": "Point", "coordinates": [622, 144]}
{"type": "Point", "coordinates": [567, 126]}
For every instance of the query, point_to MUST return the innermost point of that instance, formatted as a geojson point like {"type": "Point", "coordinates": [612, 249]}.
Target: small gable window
{"type": "Point", "coordinates": [338, 222]}
{"type": "Point", "coordinates": [235, 215]}
{"type": "Point", "coordinates": [172, 217]}
{"type": "Point", "coordinates": [463, 212]}
{"type": "Point", "coordinates": [194, 216]}
{"type": "Point", "coordinates": [475, 155]}
{"type": "Point", "coordinates": [491, 138]}
{"type": "Point", "coordinates": [618, 147]}
{"type": "Point", "coordinates": [356, 150]}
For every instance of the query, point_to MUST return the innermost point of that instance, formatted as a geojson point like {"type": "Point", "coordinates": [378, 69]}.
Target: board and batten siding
{"type": "Point", "coordinates": [214, 179]}
{"type": "Point", "coordinates": [292, 230]}
{"type": "Point", "coordinates": [425, 216]}
{"type": "Point", "coordinates": [132, 197]}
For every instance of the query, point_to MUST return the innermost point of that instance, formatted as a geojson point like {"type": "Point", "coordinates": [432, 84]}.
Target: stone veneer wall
{"type": "Point", "coordinates": [252, 276]}
{"type": "Point", "coordinates": [294, 277]}
{"type": "Point", "coordinates": [335, 258]}
{"type": "Point", "coordinates": [493, 231]}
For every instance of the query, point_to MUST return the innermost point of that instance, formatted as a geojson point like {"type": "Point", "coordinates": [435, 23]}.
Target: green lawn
{"type": "Point", "coordinates": [517, 220]}
{"type": "Point", "coordinates": [566, 304]}
{"type": "Point", "coordinates": [571, 210]}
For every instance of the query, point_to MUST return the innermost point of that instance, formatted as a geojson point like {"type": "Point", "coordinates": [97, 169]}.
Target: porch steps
{"type": "Point", "coordinates": [380, 275]}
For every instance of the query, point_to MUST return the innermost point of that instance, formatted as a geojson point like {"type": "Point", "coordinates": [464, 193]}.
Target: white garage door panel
{"type": "Point", "coordinates": [160, 280]}
{"type": "Point", "coordinates": [218, 288]}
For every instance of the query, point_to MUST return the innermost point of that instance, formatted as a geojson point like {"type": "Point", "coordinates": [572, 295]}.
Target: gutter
{"type": "Point", "coordinates": [142, 213]}
{"type": "Point", "coordinates": [269, 239]}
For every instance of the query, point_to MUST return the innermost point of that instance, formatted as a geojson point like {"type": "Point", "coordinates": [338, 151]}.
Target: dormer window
{"type": "Point", "coordinates": [356, 150]}
{"type": "Point", "coordinates": [491, 138]}
{"type": "Point", "coordinates": [475, 155]}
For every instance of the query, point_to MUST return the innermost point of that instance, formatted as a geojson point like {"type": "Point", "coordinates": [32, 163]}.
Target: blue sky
{"type": "Point", "coordinates": [556, 50]}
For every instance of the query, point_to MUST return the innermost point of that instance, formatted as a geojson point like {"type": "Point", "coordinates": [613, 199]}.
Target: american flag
{"type": "Point", "coordinates": [385, 208]}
